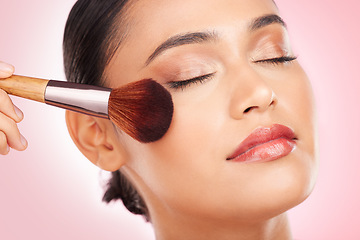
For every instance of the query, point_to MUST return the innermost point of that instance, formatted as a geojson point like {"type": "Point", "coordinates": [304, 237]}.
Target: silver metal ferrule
{"type": "Point", "coordinates": [83, 98]}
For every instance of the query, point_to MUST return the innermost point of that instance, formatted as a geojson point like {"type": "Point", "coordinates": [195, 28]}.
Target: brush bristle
{"type": "Point", "coordinates": [142, 109]}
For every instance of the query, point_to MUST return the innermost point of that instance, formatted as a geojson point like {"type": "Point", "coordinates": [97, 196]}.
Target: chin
{"type": "Point", "coordinates": [291, 188]}
{"type": "Point", "coordinates": [279, 186]}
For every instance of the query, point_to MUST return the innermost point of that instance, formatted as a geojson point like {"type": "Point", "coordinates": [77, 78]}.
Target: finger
{"type": "Point", "coordinates": [4, 147]}
{"type": "Point", "coordinates": [19, 114]}
{"type": "Point", "coordinates": [6, 70]}
{"type": "Point", "coordinates": [7, 107]}
{"type": "Point", "coordinates": [14, 139]}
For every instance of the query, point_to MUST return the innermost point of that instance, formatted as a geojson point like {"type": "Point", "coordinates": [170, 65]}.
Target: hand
{"type": "Point", "coordinates": [10, 115]}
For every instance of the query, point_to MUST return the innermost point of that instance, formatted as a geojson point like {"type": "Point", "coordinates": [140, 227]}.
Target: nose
{"type": "Point", "coordinates": [251, 94]}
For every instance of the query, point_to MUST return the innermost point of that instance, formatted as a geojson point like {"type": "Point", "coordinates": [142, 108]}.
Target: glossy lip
{"type": "Point", "coordinates": [265, 144]}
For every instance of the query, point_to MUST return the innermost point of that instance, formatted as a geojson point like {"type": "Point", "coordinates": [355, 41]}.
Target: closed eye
{"type": "Point", "coordinates": [279, 60]}
{"type": "Point", "coordinates": [186, 83]}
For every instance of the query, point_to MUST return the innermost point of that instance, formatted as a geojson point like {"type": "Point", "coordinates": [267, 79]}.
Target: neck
{"type": "Point", "coordinates": [191, 229]}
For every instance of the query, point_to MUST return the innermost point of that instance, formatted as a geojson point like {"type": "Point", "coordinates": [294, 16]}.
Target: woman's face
{"type": "Point", "coordinates": [228, 66]}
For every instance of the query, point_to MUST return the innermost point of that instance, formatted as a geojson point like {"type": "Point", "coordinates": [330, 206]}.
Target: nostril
{"type": "Point", "coordinates": [248, 109]}
{"type": "Point", "coordinates": [253, 107]}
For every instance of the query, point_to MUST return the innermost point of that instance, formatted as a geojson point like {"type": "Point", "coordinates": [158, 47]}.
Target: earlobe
{"type": "Point", "coordinates": [96, 140]}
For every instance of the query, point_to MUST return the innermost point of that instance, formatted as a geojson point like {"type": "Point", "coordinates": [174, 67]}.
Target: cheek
{"type": "Point", "coordinates": [299, 96]}
{"type": "Point", "coordinates": [297, 100]}
{"type": "Point", "coordinates": [198, 120]}
{"type": "Point", "coordinates": [197, 125]}
{"type": "Point", "coordinates": [186, 159]}
{"type": "Point", "coordinates": [296, 106]}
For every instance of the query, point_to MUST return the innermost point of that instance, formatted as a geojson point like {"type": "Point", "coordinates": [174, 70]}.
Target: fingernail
{"type": "Point", "coordinates": [7, 148]}
{"type": "Point", "coordinates": [6, 68]}
{"type": "Point", "coordinates": [23, 140]}
{"type": "Point", "coordinates": [18, 112]}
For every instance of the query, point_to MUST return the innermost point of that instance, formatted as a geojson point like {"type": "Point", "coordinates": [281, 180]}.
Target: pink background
{"type": "Point", "coordinates": [51, 191]}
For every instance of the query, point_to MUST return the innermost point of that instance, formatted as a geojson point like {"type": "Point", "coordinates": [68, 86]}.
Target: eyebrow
{"type": "Point", "coordinates": [265, 21]}
{"type": "Point", "coordinates": [182, 39]}
{"type": "Point", "coordinates": [202, 37]}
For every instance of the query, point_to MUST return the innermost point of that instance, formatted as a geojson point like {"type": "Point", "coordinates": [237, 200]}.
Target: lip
{"type": "Point", "coordinates": [265, 144]}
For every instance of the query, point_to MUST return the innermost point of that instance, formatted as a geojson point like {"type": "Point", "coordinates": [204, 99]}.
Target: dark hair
{"type": "Point", "coordinates": [92, 36]}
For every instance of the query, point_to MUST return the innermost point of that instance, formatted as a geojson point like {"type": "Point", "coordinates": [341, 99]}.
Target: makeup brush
{"type": "Point", "coordinates": [142, 109]}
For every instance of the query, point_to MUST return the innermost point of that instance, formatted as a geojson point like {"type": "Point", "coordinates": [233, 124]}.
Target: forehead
{"type": "Point", "coordinates": [158, 16]}
{"type": "Point", "coordinates": [152, 22]}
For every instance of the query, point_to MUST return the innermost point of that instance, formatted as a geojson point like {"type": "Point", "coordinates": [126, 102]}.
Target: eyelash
{"type": "Point", "coordinates": [276, 61]}
{"type": "Point", "coordinates": [185, 83]}
{"type": "Point", "coordinates": [201, 79]}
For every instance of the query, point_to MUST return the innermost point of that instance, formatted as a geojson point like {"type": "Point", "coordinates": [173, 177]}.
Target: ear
{"type": "Point", "coordinates": [97, 140]}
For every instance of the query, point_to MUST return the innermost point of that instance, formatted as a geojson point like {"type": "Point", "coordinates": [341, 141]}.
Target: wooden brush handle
{"type": "Point", "coordinates": [25, 87]}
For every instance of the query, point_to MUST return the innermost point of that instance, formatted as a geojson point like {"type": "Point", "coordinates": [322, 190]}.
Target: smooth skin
{"type": "Point", "coordinates": [10, 116]}
{"type": "Point", "coordinates": [191, 190]}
